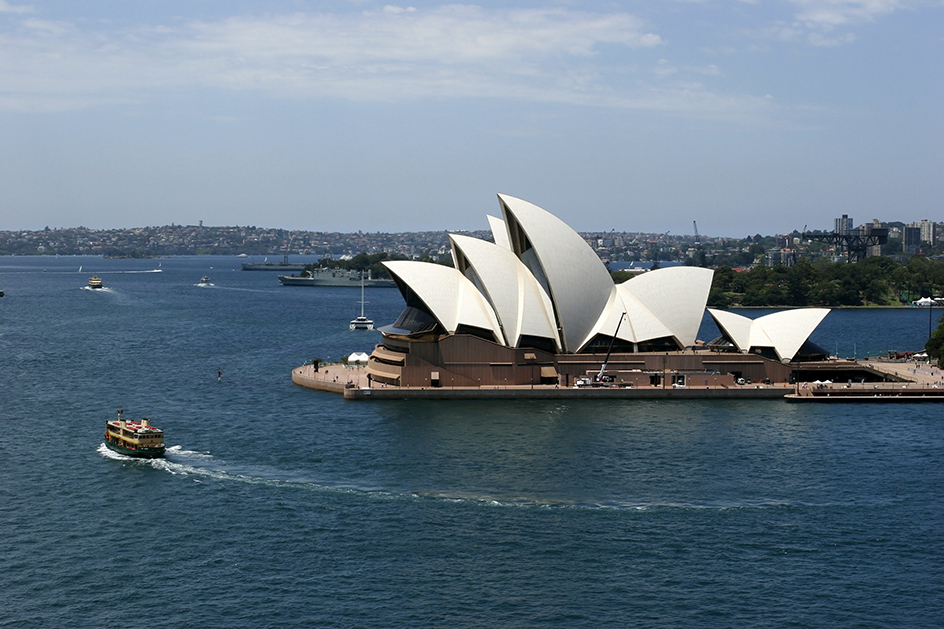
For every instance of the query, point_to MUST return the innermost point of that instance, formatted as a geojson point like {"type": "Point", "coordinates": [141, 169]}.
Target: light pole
{"type": "Point", "coordinates": [930, 307]}
{"type": "Point", "coordinates": [920, 302]}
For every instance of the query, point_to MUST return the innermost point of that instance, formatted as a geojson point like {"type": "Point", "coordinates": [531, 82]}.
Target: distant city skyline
{"type": "Point", "coordinates": [348, 115]}
{"type": "Point", "coordinates": [705, 249]}
{"type": "Point", "coordinates": [930, 230]}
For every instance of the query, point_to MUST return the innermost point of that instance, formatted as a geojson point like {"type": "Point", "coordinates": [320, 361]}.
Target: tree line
{"type": "Point", "coordinates": [876, 281]}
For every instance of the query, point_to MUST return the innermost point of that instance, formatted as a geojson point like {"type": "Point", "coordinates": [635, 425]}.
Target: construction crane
{"type": "Point", "coordinates": [610, 348]}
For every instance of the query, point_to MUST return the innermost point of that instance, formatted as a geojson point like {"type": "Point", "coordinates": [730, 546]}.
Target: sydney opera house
{"type": "Point", "coordinates": [537, 306]}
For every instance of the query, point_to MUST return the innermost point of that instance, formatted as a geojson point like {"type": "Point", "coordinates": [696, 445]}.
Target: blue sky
{"type": "Point", "coordinates": [746, 116]}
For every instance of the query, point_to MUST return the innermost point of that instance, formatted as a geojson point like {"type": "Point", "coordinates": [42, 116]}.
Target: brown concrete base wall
{"type": "Point", "coordinates": [695, 380]}
{"type": "Point", "coordinates": [690, 364]}
{"type": "Point", "coordinates": [467, 361]}
{"type": "Point", "coordinates": [488, 365]}
{"type": "Point", "coordinates": [551, 393]}
{"type": "Point", "coordinates": [633, 378]}
{"type": "Point", "coordinates": [322, 380]}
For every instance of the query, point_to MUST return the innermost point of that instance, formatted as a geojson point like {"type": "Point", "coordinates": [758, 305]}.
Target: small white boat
{"type": "Point", "coordinates": [362, 322]}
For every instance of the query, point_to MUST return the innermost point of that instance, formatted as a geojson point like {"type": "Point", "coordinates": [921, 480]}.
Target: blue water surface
{"type": "Point", "coordinates": [283, 507]}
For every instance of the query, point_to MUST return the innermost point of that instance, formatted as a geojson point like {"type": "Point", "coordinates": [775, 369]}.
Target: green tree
{"type": "Point", "coordinates": [798, 290]}
{"type": "Point", "coordinates": [876, 292]}
{"type": "Point", "coordinates": [775, 296]}
{"type": "Point", "coordinates": [740, 282]}
{"type": "Point", "coordinates": [935, 345]}
{"type": "Point", "coordinates": [755, 295]}
{"type": "Point", "coordinates": [824, 293]}
{"type": "Point", "coordinates": [717, 298]}
{"type": "Point", "coordinates": [722, 278]}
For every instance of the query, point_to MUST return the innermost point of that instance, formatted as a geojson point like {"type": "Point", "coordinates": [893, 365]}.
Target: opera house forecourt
{"type": "Point", "coordinates": [536, 314]}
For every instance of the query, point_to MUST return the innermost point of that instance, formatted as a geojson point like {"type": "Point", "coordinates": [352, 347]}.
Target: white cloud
{"type": "Point", "coordinates": [393, 10]}
{"type": "Point", "coordinates": [709, 70]}
{"type": "Point", "coordinates": [555, 55]}
{"type": "Point", "coordinates": [817, 22]}
{"type": "Point", "coordinates": [391, 53]}
{"type": "Point", "coordinates": [664, 68]}
{"type": "Point", "coordinates": [6, 7]}
{"type": "Point", "coordinates": [818, 39]}
{"type": "Point", "coordinates": [782, 32]}
{"type": "Point", "coordinates": [832, 13]}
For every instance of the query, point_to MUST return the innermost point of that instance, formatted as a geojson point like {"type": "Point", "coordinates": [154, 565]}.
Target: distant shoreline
{"type": "Point", "coordinates": [249, 257]}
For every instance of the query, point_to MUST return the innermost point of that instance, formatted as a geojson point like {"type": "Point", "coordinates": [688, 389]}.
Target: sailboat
{"type": "Point", "coordinates": [362, 322]}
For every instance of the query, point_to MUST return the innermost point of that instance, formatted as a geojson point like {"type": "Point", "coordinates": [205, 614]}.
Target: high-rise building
{"type": "Point", "coordinates": [927, 230]}
{"type": "Point", "coordinates": [780, 257]}
{"type": "Point", "coordinates": [842, 225]}
{"type": "Point", "coordinates": [873, 250]}
{"type": "Point", "coordinates": [912, 240]}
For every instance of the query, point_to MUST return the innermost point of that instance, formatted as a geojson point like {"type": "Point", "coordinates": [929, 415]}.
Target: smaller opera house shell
{"type": "Point", "coordinates": [537, 306]}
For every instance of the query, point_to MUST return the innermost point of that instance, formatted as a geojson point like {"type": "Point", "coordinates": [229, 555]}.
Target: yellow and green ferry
{"type": "Point", "coordinates": [131, 438]}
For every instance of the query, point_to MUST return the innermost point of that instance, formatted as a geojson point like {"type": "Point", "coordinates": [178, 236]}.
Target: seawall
{"type": "Point", "coordinates": [924, 384]}
{"type": "Point", "coordinates": [352, 383]}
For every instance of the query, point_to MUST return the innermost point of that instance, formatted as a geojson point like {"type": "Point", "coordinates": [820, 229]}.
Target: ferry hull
{"type": "Point", "coordinates": [140, 453]}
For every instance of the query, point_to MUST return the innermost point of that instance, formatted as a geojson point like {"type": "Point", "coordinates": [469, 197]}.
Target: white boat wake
{"type": "Point", "coordinates": [189, 463]}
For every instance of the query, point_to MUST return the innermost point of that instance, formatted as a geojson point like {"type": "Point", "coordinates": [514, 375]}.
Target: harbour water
{"type": "Point", "coordinates": [279, 506]}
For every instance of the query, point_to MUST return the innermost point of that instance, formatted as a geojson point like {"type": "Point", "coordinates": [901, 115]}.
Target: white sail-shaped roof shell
{"type": "Point", "coordinates": [639, 325]}
{"type": "Point", "coordinates": [663, 303]}
{"type": "Point", "coordinates": [576, 280]}
{"type": "Point", "coordinates": [519, 302]}
{"type": "Point", "coordinates": [675, 297]}
{"type": "Point", "coordinates": [448, 295]}
{"type": "Point", "coordinates": [784, 331]}
{"type": "Point", "coordinates": [499, 231]}
{"type": "Point", "coordinates": [789, 329]}
{"type": "Point", "coordinates": [735, 327]}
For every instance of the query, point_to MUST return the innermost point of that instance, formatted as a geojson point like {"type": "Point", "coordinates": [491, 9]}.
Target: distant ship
{"type": "Point", "coordinates": [334, 277]}
{"type": "Point", "coordinates": [284, 265]}
{"type": "Point", "coordinates": [139, 439]}
{"type": "Point", "coordinates": [95, 282]}
{"type": "Point", "coordinates": [205, 279]}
